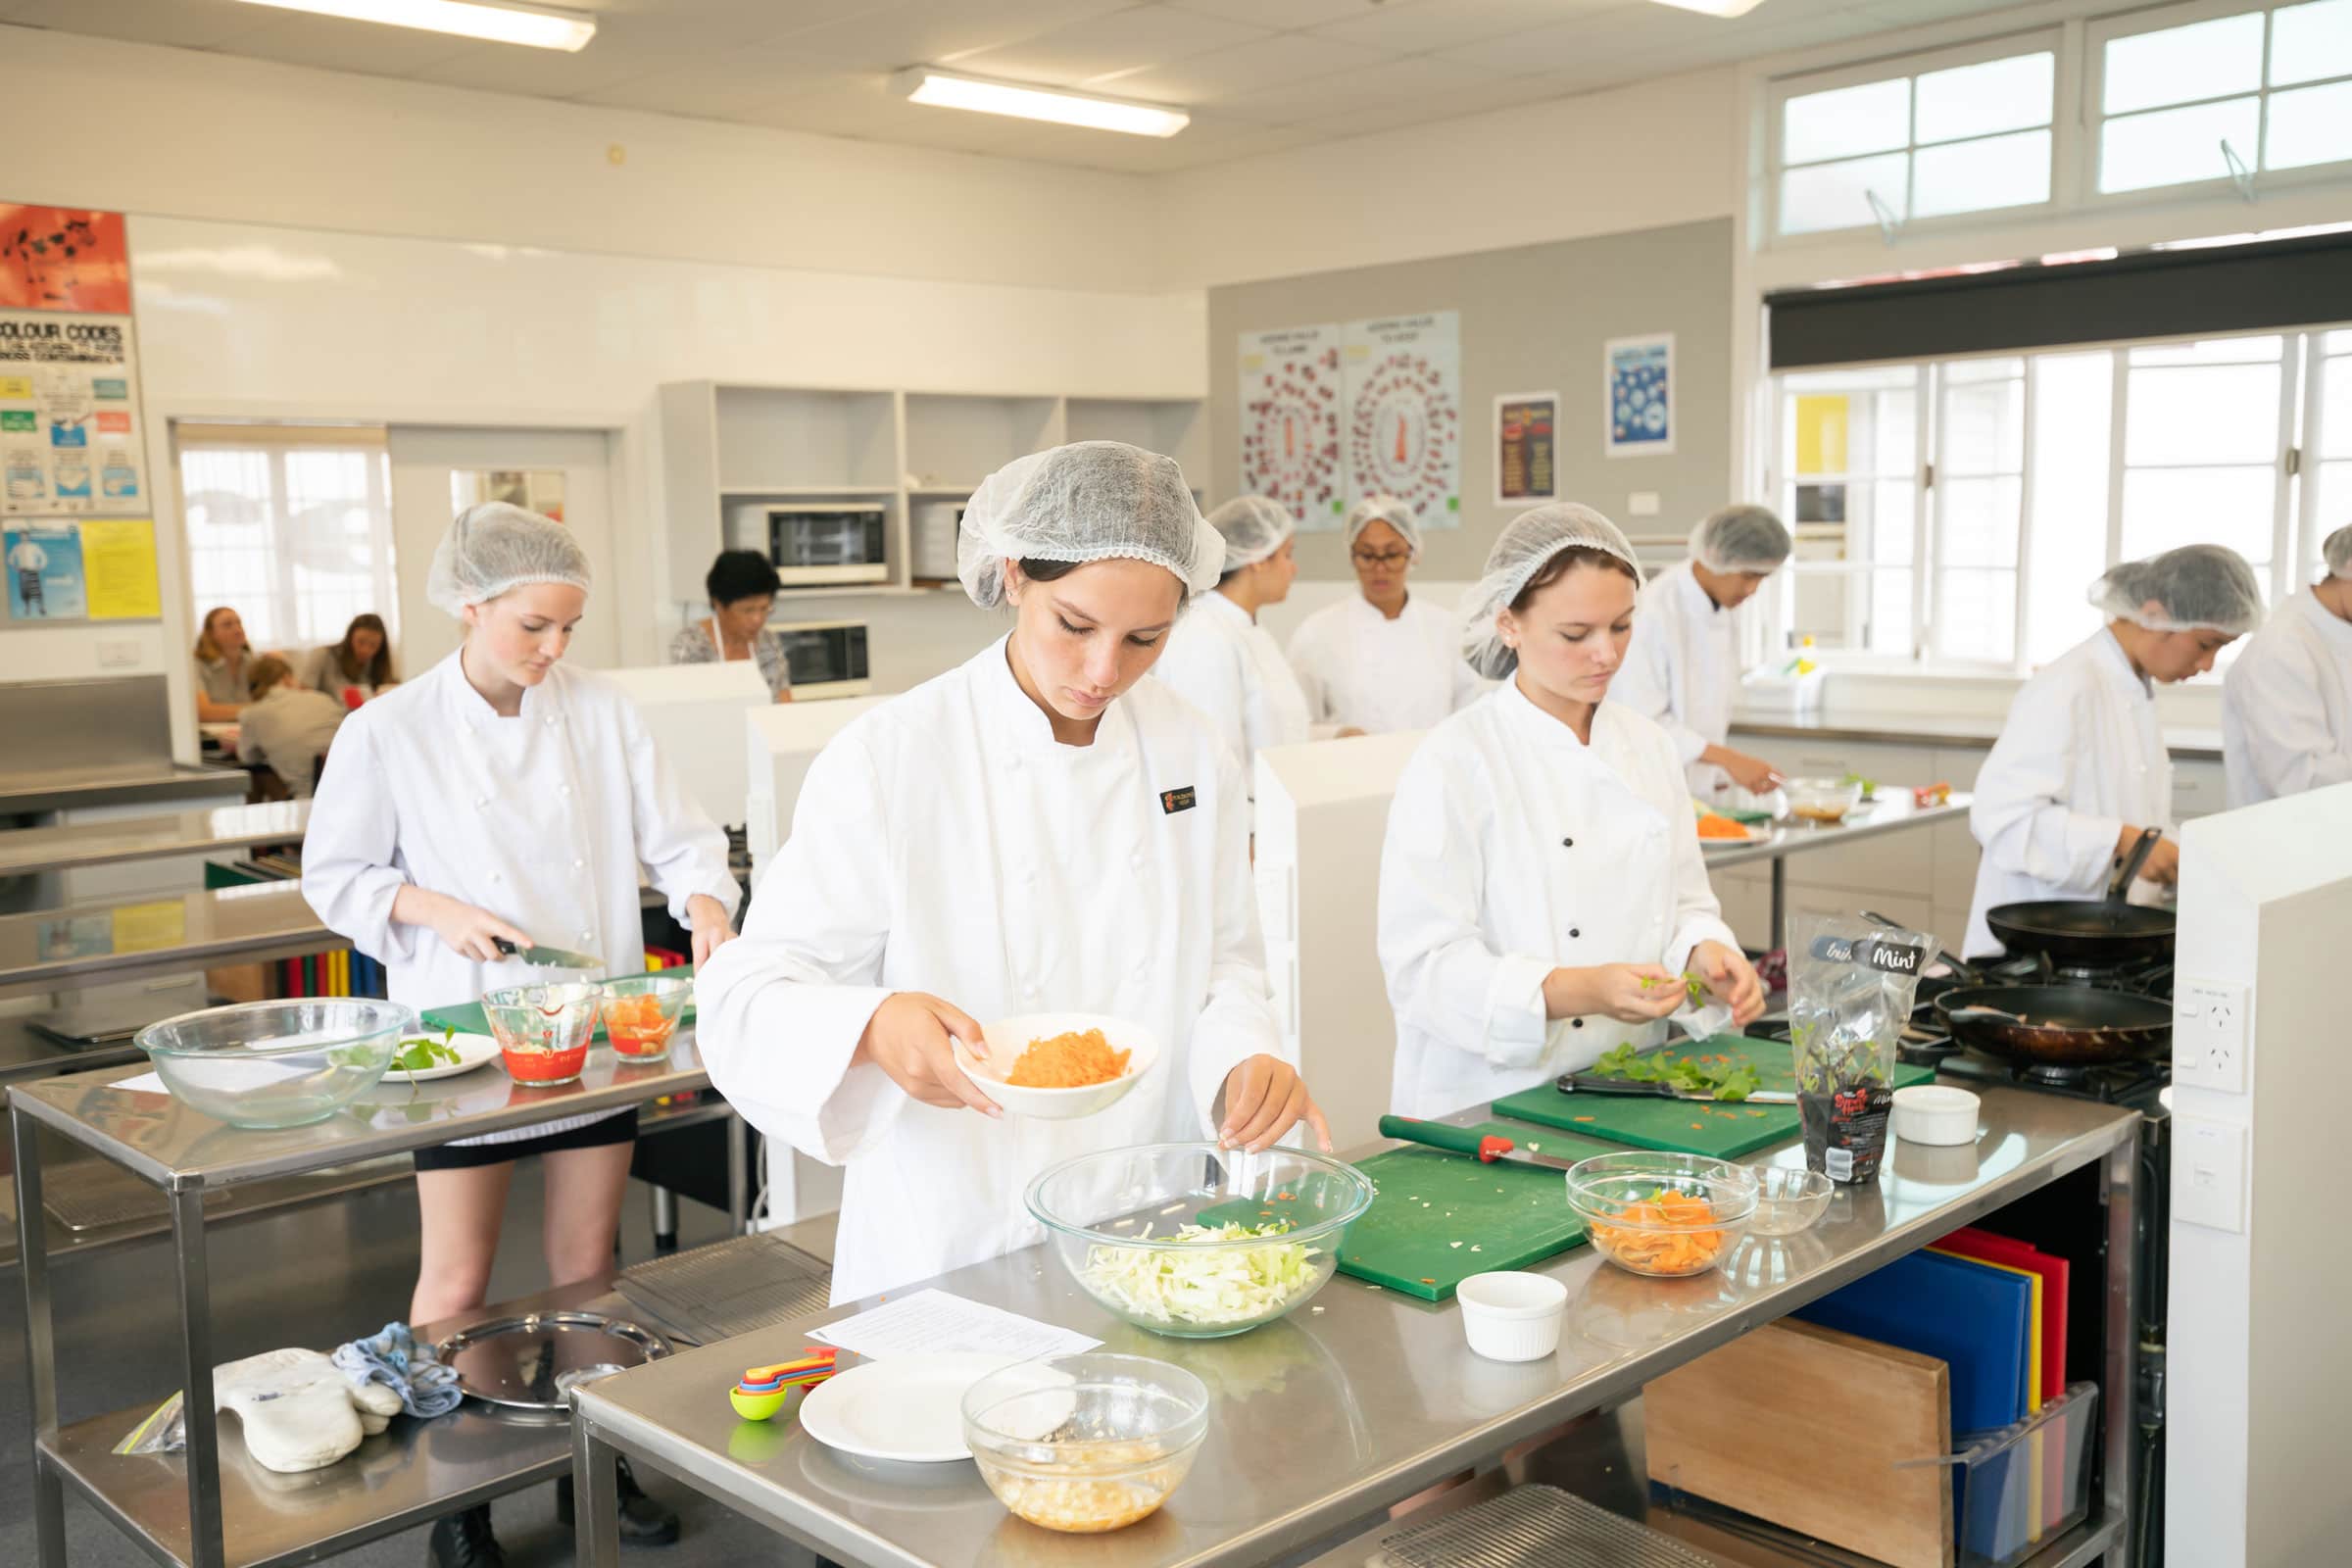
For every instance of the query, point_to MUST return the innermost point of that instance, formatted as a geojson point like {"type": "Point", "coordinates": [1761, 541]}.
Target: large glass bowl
{"type": "Point", "coordinates": [543, 1032]}
{"type": "Point", "coordinates": [641, 1013]}
{"type": "Point", "coordinates": [1662, 1214]}
{"type": "Point", "coordinates": [1086, 1444]}
{"type": "Point", "coordinates": [1115, 1220]}
{"type": "Point", "coordinates": [268, 1064]}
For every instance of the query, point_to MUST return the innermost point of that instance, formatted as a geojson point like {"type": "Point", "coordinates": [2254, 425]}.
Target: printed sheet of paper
{"type": "Point", "coordinates": [935, 1322]}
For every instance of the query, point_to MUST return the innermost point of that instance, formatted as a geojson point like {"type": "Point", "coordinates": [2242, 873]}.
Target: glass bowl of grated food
{"type": "Point", "coordinates": [1085, 1444]}
{"type": "Point", "coordinates": [1195, 1241]}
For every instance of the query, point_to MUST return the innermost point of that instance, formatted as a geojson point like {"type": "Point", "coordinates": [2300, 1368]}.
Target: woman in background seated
{"type": "Point", "coordinates": [363, 659]}
{"type": "Point", "coordinates": [222, 683]}
{"type": "Point", "coordinates": [741, 586]}
{"type": "Point", "coordinates": [286, 726]}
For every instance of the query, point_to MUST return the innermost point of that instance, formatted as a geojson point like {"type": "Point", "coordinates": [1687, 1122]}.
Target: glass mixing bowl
{"type": "Point", "coordinates": [269, 1064]}
{"type": "Point", "coordinates": [1662, 1214]}
{"type": "Point", "coordinates": [543, 1031]}
{"type": "Point", "coordinates": [1116, 1219]}
{"type": "Point", "coordinates": [1086, 1444]}
{"type": "Point", "coordinates": [641, 1013]}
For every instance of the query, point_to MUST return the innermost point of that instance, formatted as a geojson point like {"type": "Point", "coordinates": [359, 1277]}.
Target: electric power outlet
{"type": "Point", "coordinates": [2211, 1024]}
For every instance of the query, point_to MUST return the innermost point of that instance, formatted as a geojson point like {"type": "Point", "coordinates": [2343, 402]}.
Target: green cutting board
{"type": "Point", "coordinates": [468, 1018]}
{"type": "Point", "coordinates": [1501, 1215]}
{"type": "Point", "coordinates": [1724, 1130]}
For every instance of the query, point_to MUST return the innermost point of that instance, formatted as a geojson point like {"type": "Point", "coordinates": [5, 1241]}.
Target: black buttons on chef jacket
{"type": "Point", "coordinates": [1576, 1023]}
{"type": "Point", "coordinates": [1574, 932]}
{"type": "Point", "coordinates": [1567, 844]}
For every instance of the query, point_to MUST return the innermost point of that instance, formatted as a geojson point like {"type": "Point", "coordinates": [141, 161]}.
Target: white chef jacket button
{"type": "Point", "coordinates": [576, 864]}
{"type": "Point", "coordinates": [481, 800]}
{"type": "Point", "coordinates": [498, 876]}
{"type": "Point", "coordinates": [562, 788]}
{"type": "Point", "coordinates": [587, 936]}
{"type": "Point", "coordinates": [551, 720]}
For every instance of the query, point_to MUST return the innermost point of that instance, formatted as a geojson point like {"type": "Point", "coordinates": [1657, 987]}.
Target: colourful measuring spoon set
{"type": "Point", "coordinates": [763, 1390]}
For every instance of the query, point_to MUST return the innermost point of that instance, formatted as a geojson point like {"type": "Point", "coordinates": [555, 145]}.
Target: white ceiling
{"type": "Point", "coordinates": [1259, 76]}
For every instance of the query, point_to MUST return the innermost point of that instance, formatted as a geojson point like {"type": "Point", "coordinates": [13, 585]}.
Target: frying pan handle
{"type": "Point", "coordinates": [2132, 860]}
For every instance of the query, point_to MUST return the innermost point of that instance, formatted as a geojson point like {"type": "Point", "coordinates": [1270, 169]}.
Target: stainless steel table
{"type": "Point", "coordinates": [79, 944]}
{"type": "Point", "coordinates": [29, 850]}
{"type": "Point", "coordinates": [1896, 813]}
{"type": "Point", "coordinates": [32, 792]}
{"type": "Point", "coordinates": [1325, 1419]}
{"type": "Point", "coordinates": [187, 1155]}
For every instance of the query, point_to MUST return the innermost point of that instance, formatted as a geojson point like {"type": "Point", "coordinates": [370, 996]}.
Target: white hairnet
{"type": "Point", "coordinates": [1527, 542]}
{"type": "Point", "coordinates": [1397, 515]}
{"type": "Point", "coordinates": [1087, 501]}
{"type": "Point", "coordinates": [494, 547]}
{"type": "Point", "coordinates": [1742, 538]}
{"type": "Point", "coordinates": [1252, 527]}
{"type": "Point", "coordinates": [2338, 551]}
{"type": "Point", "coordinates": [2196, 587]}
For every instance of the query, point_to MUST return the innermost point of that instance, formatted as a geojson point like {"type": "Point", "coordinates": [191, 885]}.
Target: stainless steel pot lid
{"type": "Point", "coordinates": [531, 1361]}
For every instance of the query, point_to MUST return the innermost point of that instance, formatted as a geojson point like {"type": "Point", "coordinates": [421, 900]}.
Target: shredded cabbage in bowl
{"type": "Point", "coordinates": [1217, 1286]}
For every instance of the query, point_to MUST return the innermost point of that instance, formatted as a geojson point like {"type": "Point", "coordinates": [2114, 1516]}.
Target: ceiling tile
{"type": "Point", "coordinates": [1562, 46]}
{"type": "Point", "coordinates": [176, 24]}
{"type": "Point", "coordinates": [1424, 109]}
{"type": "Point", "coordinates": [1435, 25]}
{"type": "Point", "coordinates": [888, 36]}
{"type": "Point", "coordinates": [1288, 13]}
{"type": "Point", "coordinates": [1125, 40]}
{"type": "Point", "coordinates": [625, 47]}
{"type": "Point", "coordinates": [1352, 90]}
{"type": "Point", "coordinates": [1274, 62]}
{"type": "Point", "coordinates": [331, 43]}
{"type": "Point", "coordinates": [715, 86]}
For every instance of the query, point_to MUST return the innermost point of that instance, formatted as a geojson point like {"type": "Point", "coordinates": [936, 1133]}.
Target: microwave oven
{"type": "Point", "coordinates": [827, 659]}
{"type": "Point", "coordinates": [813, 544]}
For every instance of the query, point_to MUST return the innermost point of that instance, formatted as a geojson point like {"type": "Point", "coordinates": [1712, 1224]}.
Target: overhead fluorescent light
{"type": "Point", "coordinates": [1715, 7]}
{"type": "Point", "coordinates": [538, 27]}
{"type": "Point", "coordinates": [923, 86]}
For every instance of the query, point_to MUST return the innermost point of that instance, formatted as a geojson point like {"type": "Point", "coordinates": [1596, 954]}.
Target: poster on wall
{"type": "Point", "coordinates": [117, 562]}
{"type": "Point", "coordinates": [1402, 388]}
{"type": "Point", "coordinates": [69, 445]}
{"type": "Point", "coordinates": [539, 490]}
{"type": "Point", "coordinates": [44, 572]}
{"type": "Point", "coordinates": [1526, 447]}
{"type": "Point", "coordinates": [1638, 396]}
{"type": "Point", "coordinates": [1289, 407]}
{"type": "Point", "coordinates": [63, 259]}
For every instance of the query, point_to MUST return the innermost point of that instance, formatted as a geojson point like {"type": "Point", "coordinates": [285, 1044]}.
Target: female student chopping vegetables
{"type": "Point", "coordinates": [1039, 829]}
{"type": "Point", "coordinates": [1541, 895]}
{"type": "Point", "coordinates": [503, 795]}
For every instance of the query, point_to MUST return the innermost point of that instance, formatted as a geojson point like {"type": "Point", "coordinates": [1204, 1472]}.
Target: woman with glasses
{"type": "Point", "coordinates": [1382, 661]}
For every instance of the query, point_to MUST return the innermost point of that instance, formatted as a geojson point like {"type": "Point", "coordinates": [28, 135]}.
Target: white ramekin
{"type": "Point", "coordinates": [1936, 1114]}
{"type": "Point", "coordinates": [1511, 1316]}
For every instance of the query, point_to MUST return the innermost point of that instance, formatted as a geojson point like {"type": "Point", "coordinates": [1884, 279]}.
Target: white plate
{"type": "Point", "coordinates": [908, 1408]}
{"type": "Point", "coordinates": [1008, 1038]}
{"type": "Point", "coordinates": [1757, 833]}
{"type": "Point", "coordinates": [472, 1051]}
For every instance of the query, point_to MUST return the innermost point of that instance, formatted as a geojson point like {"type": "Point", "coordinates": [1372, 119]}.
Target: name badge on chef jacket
{"type": "Point", "coordinates": [1173, 801]}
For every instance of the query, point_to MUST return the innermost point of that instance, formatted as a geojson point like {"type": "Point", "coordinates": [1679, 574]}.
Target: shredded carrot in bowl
{"type": "Point", "coordinates": [1068, 1061]}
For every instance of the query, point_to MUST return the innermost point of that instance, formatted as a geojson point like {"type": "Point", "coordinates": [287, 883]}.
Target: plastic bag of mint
{"type": "Point", "coordinates": [1852, 982]}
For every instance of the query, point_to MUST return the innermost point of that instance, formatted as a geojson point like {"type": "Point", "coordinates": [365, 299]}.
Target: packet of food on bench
{"type": "Point", "coordinates": [1852, 982]}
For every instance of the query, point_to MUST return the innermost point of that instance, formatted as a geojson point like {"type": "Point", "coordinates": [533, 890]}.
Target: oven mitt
{"type": "Point", "coordinates": [299, 1412]}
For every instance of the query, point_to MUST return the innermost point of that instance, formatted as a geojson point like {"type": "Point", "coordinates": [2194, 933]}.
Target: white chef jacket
{"type": "Point", "coordinates": [1682, 670]}
{"type": "Point", "coordinates": [542, 819]}
{"type": "Point", "coordinates": [1361, 670]}
{"type": "Point", "coordinates": [2287, 704]}
{"type": "Point", "coordinates": [1230, 667]}
{"type": "Point", "coordinates": [1513, 848]}
{"type": "Point", "coordinates": [946, 843]}
{"type": "Point", "coordinates": [2079, 755]}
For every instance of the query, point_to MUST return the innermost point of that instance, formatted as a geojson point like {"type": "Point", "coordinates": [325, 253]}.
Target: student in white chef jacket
{"type": "Point", "coordinates": [1038, 830]}
{"type": "Point", "coordinates": [1682, 669]}
{"type": "Point", "coordinates": [2286, 703]}
{"type": "Point", "coordinates": [1219, 658]}
{"type": "Point", "coordinates": [2080, 769]}
{"type": "Point", "coordinates": [1382, 661]}
{"type": "Point", "coordinates": [1541, 893]}
{"type": "Point", "coordinates": [503, 794]}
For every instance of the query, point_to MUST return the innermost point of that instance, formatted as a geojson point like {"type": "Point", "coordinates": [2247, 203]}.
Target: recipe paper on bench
{"type": "Point", "coordinates": [937, 1323]}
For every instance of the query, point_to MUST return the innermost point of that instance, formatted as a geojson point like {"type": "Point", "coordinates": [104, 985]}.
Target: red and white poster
{"type": "Point", "coordinates": [62, 258]}
{"type": "Point", "coordinates": [1404, 397]}
{"type": "Point", "coordinates": [1290, 421]}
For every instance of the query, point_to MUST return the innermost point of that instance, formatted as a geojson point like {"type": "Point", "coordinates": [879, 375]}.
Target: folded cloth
{"type": "Point", "coordinates": [393, 1357]}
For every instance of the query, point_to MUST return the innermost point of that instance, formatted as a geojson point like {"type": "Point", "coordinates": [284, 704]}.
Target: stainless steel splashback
{"type": "Point", "coordinates": [77, 725]}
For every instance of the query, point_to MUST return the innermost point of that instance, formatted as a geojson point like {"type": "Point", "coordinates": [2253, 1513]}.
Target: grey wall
{"type": "Point", "coordinates": [1534, 320]}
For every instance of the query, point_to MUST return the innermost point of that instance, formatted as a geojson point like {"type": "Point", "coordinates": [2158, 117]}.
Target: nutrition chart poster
{"type": "Point", "coordinates": [1290, 403]}
{"type": "Point", "coordinates": [1403, 395]}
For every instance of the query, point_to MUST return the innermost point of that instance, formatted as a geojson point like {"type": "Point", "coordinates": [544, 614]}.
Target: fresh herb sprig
{"type": "Point", "coordinates": [415, 1056]}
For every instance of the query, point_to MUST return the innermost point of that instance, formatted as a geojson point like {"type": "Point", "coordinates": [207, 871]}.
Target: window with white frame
{"type": "Point", "coordinates": [1952, 513]}
{"type": "Point", "coordinates": [289, 526]}
{"type": "Point", "coordinates": [1971, 133]}
{"type": "Point", "coordinates": [2192, 94]}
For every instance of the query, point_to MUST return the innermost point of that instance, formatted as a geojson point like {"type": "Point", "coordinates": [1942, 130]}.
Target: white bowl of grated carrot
{"type": "Point", "coordinates": [1058, 1066]}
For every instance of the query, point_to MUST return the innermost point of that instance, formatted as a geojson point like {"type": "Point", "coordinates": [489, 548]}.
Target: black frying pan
{"type": "Point", "coordinates": [2087, 932]}
{"type": "Point", "coordinates": [2065, 1026]}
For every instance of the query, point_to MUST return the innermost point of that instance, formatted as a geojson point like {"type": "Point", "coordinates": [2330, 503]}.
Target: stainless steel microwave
{"type": "Point", "coordinates": [828, 658]}
{"type": "Point", "coordinates": [818, 543]}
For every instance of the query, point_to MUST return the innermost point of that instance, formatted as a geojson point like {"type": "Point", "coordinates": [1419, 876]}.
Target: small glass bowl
{"type": "Point", "coordinates": [1629, 1201]}
{"type": "Point", "coordinates": [543, 1032]}
{"type": "Point", "coordinates": [269, 1064]}
{"type": "Point", "coordinates": [1790, 1201]}
{"type": "Point", "coordinates": [1822, 802]}
{"type": "Point", "coordinates": [641, 1013]}
{"type": "Point", "coordinates": [1085, 1444]}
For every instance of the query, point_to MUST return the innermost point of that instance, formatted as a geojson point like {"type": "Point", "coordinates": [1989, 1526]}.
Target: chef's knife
{"type": "Point", "coordinates": [1487, 1147]}
{"type": "Point", "coordinates": [551, 957]}
{"type": "Point", "coordinates": [1592, 1083]}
